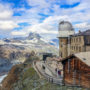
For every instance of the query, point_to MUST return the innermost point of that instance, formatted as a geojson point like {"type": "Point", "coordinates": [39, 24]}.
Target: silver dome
{"type": "Point", "coordinates": [65, 26]}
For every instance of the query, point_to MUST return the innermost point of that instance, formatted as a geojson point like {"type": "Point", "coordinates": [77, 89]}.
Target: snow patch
{"type": "Point", "coordinates": [1, 78]}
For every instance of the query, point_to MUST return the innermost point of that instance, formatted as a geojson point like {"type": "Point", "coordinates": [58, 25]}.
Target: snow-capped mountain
{"type": "Point", "coordinates": [33, 38]}
{"type": "Point", "coordinates": [20, 48]}
{"type": "Point", "coordinates": [33, 35]}
{"type": "Point", "coordinates": [32, 42]}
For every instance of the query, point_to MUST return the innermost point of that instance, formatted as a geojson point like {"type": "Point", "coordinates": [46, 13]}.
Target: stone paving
{"type": "Point", "coordinates": [47, 73]}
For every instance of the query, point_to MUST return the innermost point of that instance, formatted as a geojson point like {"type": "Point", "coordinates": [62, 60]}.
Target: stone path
{"type": "Point", "coordinates": [47, 74]}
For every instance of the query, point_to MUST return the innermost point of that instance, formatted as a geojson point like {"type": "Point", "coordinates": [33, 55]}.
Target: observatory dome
{"type": "Point", "coordinates": [65, 26]}
{"type": "Point", "coordinates": [65, 29]}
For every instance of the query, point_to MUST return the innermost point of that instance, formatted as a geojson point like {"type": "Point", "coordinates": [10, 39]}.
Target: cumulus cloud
{"type": "Point", "coordinates": [79, 13]}
{"type": "Point", "coordinates": [7, 25]}
{"type": "Point", "coordinates": [5, 12]}
{"type": "Point", "coordinates": [49, 27]}
{"type": "Point", "coordinates": [40, 3]}
{"type": "Point", "coordinates": [6, 18]}
{"type": "Point", "coordinates": [83, 26]}
{"type": "Point", "coordinates": [18, 33]}
{"type": "Point", "coordinates": [44, 16]}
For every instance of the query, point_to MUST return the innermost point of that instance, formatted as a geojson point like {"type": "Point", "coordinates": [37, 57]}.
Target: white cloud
{"type": "Point", "coordinates": [6, 18]}
{"type": "Point", "coordinates": [5, 12]}
{"type": "Point", "coordinates": [18, 33]}
{"type": "Point", "coordinates": [7, 25]}
{"type": "Point", "coordinates": [83, 26]}
{"type": "Point", "coordinates": [49, 25]}
{"type": "Point", "coordinates": [40, 3]}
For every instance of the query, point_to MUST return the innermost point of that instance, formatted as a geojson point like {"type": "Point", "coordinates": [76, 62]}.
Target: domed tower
{"type": "Point", "coordinates": [65, 31]}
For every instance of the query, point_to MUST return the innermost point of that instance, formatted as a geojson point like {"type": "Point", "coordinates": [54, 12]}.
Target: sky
{"type": "Point", "coordinates": [20, 17]}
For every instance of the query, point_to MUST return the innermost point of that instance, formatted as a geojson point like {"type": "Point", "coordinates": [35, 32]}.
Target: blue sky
{"type": "Point", "coordinates": [20, 17]}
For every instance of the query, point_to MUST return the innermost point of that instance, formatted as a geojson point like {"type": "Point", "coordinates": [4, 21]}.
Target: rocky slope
{"type": "Point", "coordinates": [12, 52]}
{"type": "Point", "coordinates": [24, 77]}
{"type": "Point", "coordinates": [17, 50]}
{"type": "Point", "coordinates": [5, 66]}
{"type": "Point", "coordinates": [20, 48]}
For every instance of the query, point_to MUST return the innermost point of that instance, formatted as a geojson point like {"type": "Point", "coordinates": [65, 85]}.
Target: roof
{"type": "Point", "coordinates": [84, 56]}
{"type": "Point", "coordinates": [84, 33]}
{"type": "Point", "coordinates": [65, 26]}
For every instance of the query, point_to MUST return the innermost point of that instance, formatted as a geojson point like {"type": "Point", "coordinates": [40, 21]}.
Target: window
{"type": "Point", "coordinates": [61, 54]}
{"type": "Point", "coordinates": [79, 39]}
{"type": "Point", "coordinates": [72, 47]}
{"type": "Point", "coordinates": [72, 40]}
{"type": "Point", "coordinates": [76, 39]}
{"type": "Point", "coordinates": [76, 48]}
{"type": "Point", "coordinates": [79, 49]}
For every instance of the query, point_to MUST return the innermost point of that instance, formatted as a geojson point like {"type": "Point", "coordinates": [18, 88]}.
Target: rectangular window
{"type": "Point", "coordinates": [61, 54]}
{"type": "Point", "coordinates": [72, 40]}
{"type": "Point", "coordinates": [79, 39]}
{"type": "Point", "coordinates": [79, 49]}
{"type": "Point", "coordinates": [72, 47]}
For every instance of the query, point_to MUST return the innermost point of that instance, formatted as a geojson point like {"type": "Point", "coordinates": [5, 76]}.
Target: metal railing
{"type": "Point", "coordinates": [49, 78]}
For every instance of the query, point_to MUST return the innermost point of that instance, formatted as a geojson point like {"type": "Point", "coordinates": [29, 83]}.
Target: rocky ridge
{"type": "Point", "coordinates": [19, 48]}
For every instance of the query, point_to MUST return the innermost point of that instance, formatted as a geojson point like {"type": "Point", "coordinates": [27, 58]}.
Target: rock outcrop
{"type": "Point", "coordinates": [12, 77]}
{"type": "Point", "coordinates": [24, 77]}
{"type": "Point", "coordinates": [11, 52]}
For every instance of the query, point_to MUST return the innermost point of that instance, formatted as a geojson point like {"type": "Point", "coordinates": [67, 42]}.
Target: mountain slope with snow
{"type": "Point", "coordinates": [34, 42]}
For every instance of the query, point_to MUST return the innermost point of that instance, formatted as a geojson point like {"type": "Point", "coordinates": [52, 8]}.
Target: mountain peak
{"type": "Point", "coordinates": [33, 35]}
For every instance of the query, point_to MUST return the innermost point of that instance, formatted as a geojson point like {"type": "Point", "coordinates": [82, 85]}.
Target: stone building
{"type": "Point", "coordinates": [80, 42]}
{"type": "Point", "coordinates": [65, 30]}
{"type": "Point", "coordinates": [71, 43]}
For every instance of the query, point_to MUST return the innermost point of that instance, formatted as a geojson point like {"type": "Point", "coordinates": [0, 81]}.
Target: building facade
{"type": "Point", "coordinates": [71, 43]}
{"type": "Point", "coordinates": [80, 42]}
{"type": "Point", "coordinates": [65, 30]}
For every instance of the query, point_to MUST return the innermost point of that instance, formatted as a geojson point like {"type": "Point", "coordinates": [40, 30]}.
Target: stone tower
{"type": "Point", "coordinates": [65, 31]}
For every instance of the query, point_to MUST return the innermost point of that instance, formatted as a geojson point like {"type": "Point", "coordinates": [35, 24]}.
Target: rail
{"type": "Point", "coordinates": [49, 78]}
